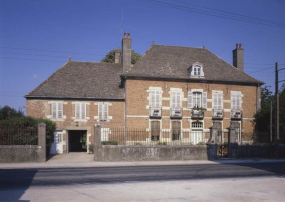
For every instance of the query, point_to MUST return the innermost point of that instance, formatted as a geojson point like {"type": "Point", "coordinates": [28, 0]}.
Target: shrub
{"type": "Point", "coordinates": [91, 148]}
{"type": "Point", "coordinates": [162, 143]}
{"type": "Point", "coordinates": [137, 143]}
{"type": "Point", "coordinates": [109, 143]}
{"type": "Point", "coordinates": [201, 143]}
{"type": "Point", "coordinates": [18, 122]}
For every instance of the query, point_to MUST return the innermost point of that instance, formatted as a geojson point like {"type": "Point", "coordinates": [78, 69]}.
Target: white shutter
{"type": "Point", "coordinates": [152, 98]}
{"type": "Point", "coordinates": [59, 110]}
{"type": "Point", "coordinates": [77, 110]}
{"type": "Point", "coordinates": [238, 102]}
{"type": "Point", "coordinates": [53, 109]}
{"type": "Point", "coordinates": [204, 100]}
{"type": "Point", "coordinates": [173, 99]}
{"type": "Point", "coordinates": [157, 99]}
{"type": "Point", "coordinates": [83, 111]}
{"type": "Point", "coordinates": [178, 99]}
{"type": "Point", "coordinates": [100, 111]}
{"type": "Point", "coordinates": [215, 101]}
{"type": "Point", "coordinates": [220, 100]}
{"type": "Point", "coordinates": [190, 99]}
{"type": "Point", "coordinates": [105, 114]}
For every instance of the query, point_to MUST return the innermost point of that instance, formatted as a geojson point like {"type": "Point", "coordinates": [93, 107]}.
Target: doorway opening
{"type": "Point", "coordinates": [77, 140]}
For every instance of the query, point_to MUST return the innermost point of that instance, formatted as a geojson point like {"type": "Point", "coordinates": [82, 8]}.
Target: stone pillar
{"type": "Point", "coordinates": [97, 143]}
{"type": "Point", "coordinates": [42, 142]}
{"type": "Point", "coordinates": [233, 145]}
{"type": "Point", "coordinates": [212, 151]}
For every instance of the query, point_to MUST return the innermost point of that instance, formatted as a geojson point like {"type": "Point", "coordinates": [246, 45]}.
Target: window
{"type": "Point", "coordinates": [57, 110]}
{"type": "Point", "coordinates": [236, 100]}
{"type": "Point", "coordinates": [58, 137]}
{"type": "Point", "coordinates": [176, 130]}
{"type": "Point", "coordinates": [217, 100]}
{"type": "Point", "coordinates": [197, 125]}
{"type": "Point", "coordinates": [103, 111]}
{"type": "Point", "coordinates": [197, 70]}
{"type": "Point", "coordinates": [175, 99]}
{"type": "Point", "coordinates": [155, 98]}
{"type": "Point", "coordinates": [155, 130]}
{"type": "Point", "coordinates": [80, 111]}
{"type": "Point", "coordinates": [197, 99]}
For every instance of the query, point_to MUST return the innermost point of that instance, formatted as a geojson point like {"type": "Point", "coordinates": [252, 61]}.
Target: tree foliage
{"type": "Point", "coordinates": [110, 57]}
{"type": "Point", "coordinates": [7, 112]}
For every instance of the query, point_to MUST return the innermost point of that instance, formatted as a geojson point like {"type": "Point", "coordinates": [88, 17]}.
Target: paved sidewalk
{"type": "Point", "coordinates": [86, 160]}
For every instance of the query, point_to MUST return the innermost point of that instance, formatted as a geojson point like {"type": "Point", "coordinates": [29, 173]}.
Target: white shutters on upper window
{"type": "Point", "coordinates": [57, 110]}
{"type": "Point", "coordinates": [236, 100]}
{"type": "Point", "coordinates": [103, 111]}
{"type": "Point", "coordinates": [155, 98]}
{"type": "Point", "coordinates": [176, 99]}
{"type": "Point", "coordinates": [217, 100]}
{"type": "Point", "coordinates": [80, 111]}
{"type": "Point", "coordinates": [197, 99]}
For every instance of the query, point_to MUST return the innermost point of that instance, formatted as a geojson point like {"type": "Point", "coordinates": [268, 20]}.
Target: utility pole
{"type": "Point", "coordinates": [277, 110]}
{"type": "Point", "coordinates": [270, 121]}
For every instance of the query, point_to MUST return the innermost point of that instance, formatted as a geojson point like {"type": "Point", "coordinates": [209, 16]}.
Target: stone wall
{"type": "Point", "coordinates": [260, 151]}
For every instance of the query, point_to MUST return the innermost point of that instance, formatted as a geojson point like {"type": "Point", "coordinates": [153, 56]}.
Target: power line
{"type": "Point", "coordinates": [52, 51]}
{"type": "Point", "coordinates": [31, 59]}
{"type": "Point", "coordinates": [176, 6]}
{"type": "Point", "coordinates": [260, 70]}
{"type": "Point", "coordinates": [234, 14]}
{"type": "Point", "coordinates": [258, 63]}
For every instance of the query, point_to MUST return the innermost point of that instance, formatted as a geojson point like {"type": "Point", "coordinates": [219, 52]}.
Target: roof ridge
{"type": "Point", "coordinates": [97, 62]}
{"type": "Point", "coordinates": [45, 81]}
{"type": "Point", "coordinates": [179, 46]}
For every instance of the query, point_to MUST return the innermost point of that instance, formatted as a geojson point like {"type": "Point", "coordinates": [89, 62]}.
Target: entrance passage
{"type": "Point", "coordinates": [77, 140]}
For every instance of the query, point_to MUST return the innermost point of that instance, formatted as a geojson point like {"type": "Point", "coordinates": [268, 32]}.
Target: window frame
{"type": "Point", "coordinates": [81, 104]}
{"type": "Point", "coordinates": [56, 110]}
{"type": "Point", "coordinates": [104, 107]}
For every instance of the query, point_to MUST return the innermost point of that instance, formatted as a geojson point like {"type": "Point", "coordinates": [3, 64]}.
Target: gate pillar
{"type": "Point", "coordinates": [233, 145]}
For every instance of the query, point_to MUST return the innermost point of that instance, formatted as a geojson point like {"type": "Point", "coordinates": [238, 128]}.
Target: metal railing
{"type": "Point", "coordinates": [176, 112]}
{"type": "Point", "coordinates": [218, 114]}
{"type": "Point", "coordinates": [197, 114]}
{"type": "Point", "coordinates": [236, 113]}
{"type": "Point", "coordinates": [18, 136]}
{"type": "Point", "coordinates": [120, 136]}
{"type": "Point", "coordinates": [155, 111]}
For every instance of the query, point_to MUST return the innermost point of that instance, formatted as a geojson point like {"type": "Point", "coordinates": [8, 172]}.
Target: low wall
{"type": "Point", "coordinates": [154, 153]}
{"type": "Point", "coordinates": [21, 153]}
{"type": "Point", "coordinates": [260, 151]}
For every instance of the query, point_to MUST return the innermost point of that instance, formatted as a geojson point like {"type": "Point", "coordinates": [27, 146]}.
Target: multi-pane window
{"type": "Point", "coordinates": [103, 111]}
{"type": "Point", "coordinates": [176, 130]}
{"type": "Point", "coordinates": [176, 99]}
{"type": "Point", "coordinates": [57, 110]}
{"type": "Point", "coordinates": [155, 98]}
{"type": "Point", "coordinates": [155, 130]}
{"type": "Point", "coordinates": [197, 70]}
{"type": "Point", "coordinates": [197, 99]}
{"type": "Point", "coordinates": [236, 100]}
{"type": "Point", "coordinates": [218, 100]}
{"type": "Point", "coordinates": [80, 111]}
{"type": "Point", "coordinates": [197, 125]}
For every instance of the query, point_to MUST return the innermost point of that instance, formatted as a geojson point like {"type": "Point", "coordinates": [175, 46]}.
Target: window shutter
{"type": "Point", "coordinates": [238, 102]}
{"type": "Point", "coordinates": [157, 99]}
{"type": "Point", "coordinates": [173, 100]}
{"type": "Point", "coordinates": [152, 98]}
{"type": "Point", "coordinates": [105, 114]}
{"type": "Point", "coordinates": [77, 110]}
{"type": "Point", "coordinates": [100, 111]}
{"type": "Point", "coordinates": [178, 99]}
{"type": "Point", "coordinates": [204, 100]}
{"type": "Point", "coordinates": [190, 99]}
{"type": "Point", "coordinates": [215, 100]}
{"type": "Point", "coordinates": [220, 100]}
{"type": "Point", "coordinates": [155, 128]}
{"type": "Point", "coordinates": [83, 111]}
{"type": "Point", "coordinates": [59, 110]}
{"type": "Point", "coordinates": [53, 110]}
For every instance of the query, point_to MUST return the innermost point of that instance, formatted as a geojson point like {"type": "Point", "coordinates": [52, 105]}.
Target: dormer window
{"type": "Point", "coordinates": [196, 71]}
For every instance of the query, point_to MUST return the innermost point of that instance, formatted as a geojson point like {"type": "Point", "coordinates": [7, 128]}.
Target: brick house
{"type": "Point", "coordinates": [179, 90]}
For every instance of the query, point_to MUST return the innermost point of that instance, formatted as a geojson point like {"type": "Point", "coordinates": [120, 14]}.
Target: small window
{"type": "Point", "coordinates": [197, 70]}
{"type": "Point", "coordinates": [155, 130]}
{"type": "Point", "coordinates": [197, 125]}
{"type": "Point", "coordinates": [80, 111]}
{"type": "Point", "coordinates": [57, 110]}
{"type": "Point", "coordinates": [103, 111]}
{"type": "Point", "coordinates": [176, 130]}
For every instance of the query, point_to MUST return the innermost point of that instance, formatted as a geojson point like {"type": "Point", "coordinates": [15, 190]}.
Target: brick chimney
{"type": "Point", "coordinates": [117, 56]}
{"type": "Point", "coordinates": [126, 52]}
{"type": "Point", "coordinates": [238, 57]}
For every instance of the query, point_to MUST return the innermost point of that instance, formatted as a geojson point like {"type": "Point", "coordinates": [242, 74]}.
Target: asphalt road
{"type": "Point", "coordinates": [14, 183]}
{"type": "Point", "coordinates": [19, 178]}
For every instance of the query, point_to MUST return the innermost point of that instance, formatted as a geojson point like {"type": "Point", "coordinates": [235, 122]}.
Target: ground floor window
{"type": "Point", "coordinates": [176, 130]}
{"type": "Point", "coordinates": [155, 130]}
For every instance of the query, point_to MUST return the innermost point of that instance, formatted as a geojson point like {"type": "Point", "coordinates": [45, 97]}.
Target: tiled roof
{"type": "Point", "coordinates": [82, 80]}
{"type": "Point", "coordinates": [162, 61]}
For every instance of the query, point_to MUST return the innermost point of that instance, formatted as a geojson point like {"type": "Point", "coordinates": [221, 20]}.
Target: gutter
{"type": "Point", "coordinates": [71, 98]}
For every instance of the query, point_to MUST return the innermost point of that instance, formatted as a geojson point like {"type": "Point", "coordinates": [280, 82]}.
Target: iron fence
{"type": "Point", "coordinates": [120, 136]}
{"type": "Point", "coordinates": [18, 136]}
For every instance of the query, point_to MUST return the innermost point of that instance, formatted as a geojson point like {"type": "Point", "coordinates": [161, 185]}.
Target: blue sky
{"type": "Point", "coordinates": [37, 37]}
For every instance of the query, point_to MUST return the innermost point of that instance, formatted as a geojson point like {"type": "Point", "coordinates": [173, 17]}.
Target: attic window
{"type": "Point", "coordinates": [196, 70]}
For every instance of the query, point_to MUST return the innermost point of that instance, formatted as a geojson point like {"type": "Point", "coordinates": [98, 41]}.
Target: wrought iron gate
{"type": "Point", "coordinates": [222, 144]}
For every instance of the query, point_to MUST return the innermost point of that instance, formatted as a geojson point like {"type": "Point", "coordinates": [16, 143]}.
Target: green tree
{"type": "Point", "coordinates": [7, 112]}
{"type": "Point", "coordinates": [110, 57]}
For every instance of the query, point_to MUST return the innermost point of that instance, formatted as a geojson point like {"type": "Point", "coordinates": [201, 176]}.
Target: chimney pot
{"type": "Point", "coordinates": [240, 46]}
{"type": "Point", "coordinates": [129, 36]}
{"type": "Point", "coordinates": [236, 46]}
{"type": "Point", "coordinates": [125, 35]}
